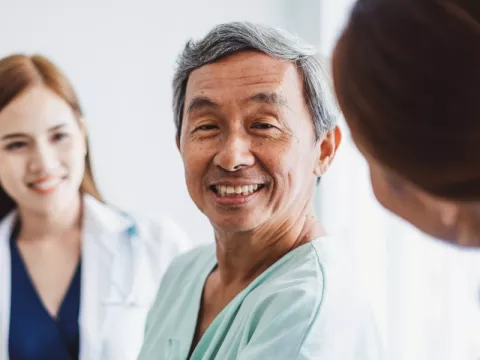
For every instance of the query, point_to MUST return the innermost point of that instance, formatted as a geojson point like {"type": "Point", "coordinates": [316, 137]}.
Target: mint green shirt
{"type": "Point", "coordinates": [303, 307]}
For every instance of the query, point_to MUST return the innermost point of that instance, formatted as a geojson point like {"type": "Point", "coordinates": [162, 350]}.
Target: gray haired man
{"type": "Point", "coordinates": [255, 134]}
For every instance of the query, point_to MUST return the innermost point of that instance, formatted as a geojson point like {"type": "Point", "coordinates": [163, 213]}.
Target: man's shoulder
{"type": "Point", "coordinates": [294, 288]}
{"type": "Point", "coordinates": [317, 279]}
{"type": "Point", "coordinates": [313, 298]}
{"type": "Point", "coordinates": [181, 279]}
{"type": "Point", "coordinates": [303, 273]}
{"type": "Point", "coordinates": [192, 261]}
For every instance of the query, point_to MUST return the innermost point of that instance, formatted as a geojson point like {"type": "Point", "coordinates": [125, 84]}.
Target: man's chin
{"type": "Point", "coordinates": [233, 225]}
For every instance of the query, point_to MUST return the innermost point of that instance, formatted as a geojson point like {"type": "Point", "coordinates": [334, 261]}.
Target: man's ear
{"type": "Point", "coordinates": [177, 140]}
{"type": "Point", "coordinates": [328, 148]}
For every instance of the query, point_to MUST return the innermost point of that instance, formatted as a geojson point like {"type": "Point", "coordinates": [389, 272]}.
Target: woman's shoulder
{"type": "Point", "coordinates": [162, 231]}
{"type": "Point", "coordinates": [156, 232]}
{"type": "Point", "coordinates": [160, 236]}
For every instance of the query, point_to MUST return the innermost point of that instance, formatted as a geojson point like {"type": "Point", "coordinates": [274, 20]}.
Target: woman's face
{"type": "Point", "coordinates": [42, 151]}
{"type": "Point", "coordinates": [434, 216]}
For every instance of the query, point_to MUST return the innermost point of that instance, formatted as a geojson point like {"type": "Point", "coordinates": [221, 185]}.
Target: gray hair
{"type": "Point", "coordinates": [230, 38]}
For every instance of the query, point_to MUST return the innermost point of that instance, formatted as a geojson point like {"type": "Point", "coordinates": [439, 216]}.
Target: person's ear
{"type": "Point", "coordinates": [449, 213]}
{"type": "Point", "coordinates": [328, 148]}
{"type": "Point", "coordinates": [177, 140]}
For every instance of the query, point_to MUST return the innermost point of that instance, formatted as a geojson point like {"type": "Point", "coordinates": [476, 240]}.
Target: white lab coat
{"type": "Point", "coordinates": [123, 260]}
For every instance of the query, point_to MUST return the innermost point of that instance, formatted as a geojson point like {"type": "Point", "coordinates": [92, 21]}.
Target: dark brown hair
{"type": "Point", "coordinates": [407, 77]}
{"type": "Point", "coordinates": [19, 73]}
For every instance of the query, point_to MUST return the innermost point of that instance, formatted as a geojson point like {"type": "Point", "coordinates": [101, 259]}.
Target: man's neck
{"type": "Point", "coordinates": [244, 256]}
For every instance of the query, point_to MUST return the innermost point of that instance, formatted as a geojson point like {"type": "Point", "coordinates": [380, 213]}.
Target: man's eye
{"type": "Point", "coordinates": [264, 126]}
{"type": "Point", "coordinates": [206, 127]}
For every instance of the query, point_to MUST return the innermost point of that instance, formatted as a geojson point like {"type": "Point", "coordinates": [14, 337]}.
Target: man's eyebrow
{"type": "Point", "coordinates": [269, 98]}
{"type": "Point", "coordinates": [201, 102]}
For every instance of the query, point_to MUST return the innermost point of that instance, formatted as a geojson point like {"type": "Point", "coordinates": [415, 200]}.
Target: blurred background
{"type": "Point", "coordinates": [120, 56]}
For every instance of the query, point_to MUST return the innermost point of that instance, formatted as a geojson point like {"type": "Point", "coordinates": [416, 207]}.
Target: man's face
{"type": "Point", "coordinates": [248, 144]}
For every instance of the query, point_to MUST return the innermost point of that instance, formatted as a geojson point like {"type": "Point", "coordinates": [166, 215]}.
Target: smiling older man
{"type": "Point", "coordinates": [255, 134]}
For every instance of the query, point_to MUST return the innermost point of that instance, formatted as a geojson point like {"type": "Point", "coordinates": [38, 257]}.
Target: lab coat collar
{"type": "Point", "coordinates": [97, 218]}
{"type": "Point", "coordinates": [6, 226]}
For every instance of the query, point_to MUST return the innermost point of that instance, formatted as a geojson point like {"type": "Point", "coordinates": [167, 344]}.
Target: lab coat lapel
{"type": "Point", "coordinates": [103, 229]}
{"type": "Point", "coordinates": [5, 282]}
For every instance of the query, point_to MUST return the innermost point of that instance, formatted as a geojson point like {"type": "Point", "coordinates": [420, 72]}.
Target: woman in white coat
{"type": "Point", "coordinates": [77, 277]}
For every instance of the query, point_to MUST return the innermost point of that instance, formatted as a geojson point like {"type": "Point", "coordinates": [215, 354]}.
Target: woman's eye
{"type": "Point", "coordinates": [60, 136]}
{"type": "Point", "coordinates": [16, 145]}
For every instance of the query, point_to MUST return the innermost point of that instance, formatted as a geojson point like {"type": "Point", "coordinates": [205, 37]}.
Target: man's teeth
{"type": "Point", "coordinates": [236, 190]}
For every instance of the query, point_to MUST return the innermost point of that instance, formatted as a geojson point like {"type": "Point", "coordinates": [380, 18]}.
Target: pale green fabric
{"type": "Point", "coordinates": [302, 307]}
